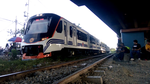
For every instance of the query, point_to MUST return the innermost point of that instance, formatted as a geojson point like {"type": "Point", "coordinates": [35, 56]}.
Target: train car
{"type": "Point", "coordinates": [107, 49]}
{"type": "Point", "coordinates": [49, 34]}
{"type": "Point", "coordinates": [104, 48]}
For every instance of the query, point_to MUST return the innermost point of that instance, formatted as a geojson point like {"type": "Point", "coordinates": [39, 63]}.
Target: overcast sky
{"type": "Point", "coordinates": [9, 9]}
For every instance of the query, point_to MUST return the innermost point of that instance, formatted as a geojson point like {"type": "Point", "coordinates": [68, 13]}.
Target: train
{"type": "Point", "coordinates": [48, 34]}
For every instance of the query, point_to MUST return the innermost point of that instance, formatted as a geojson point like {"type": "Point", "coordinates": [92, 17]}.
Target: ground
{"type": "Point", "coordinates": [8, 65]}
{"type": "Point", "coordinates": [133, 72]}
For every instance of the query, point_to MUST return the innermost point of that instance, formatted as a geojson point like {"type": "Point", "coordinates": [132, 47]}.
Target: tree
{"type": "Point", "coordinates": [19, 32]}
{"type": "Point", "coordinates": [112, 50]}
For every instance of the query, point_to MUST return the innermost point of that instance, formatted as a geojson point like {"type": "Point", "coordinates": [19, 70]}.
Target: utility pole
{"type": "Point", "coordinates": [28, 11]}
{"type": "Point", "coordinates": [26, 14]}
{"type": "Point", "coordinates": [15, 26]}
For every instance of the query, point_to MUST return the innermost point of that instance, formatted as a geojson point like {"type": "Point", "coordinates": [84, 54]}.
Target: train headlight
{"type": "Point", "coordinates": [41, 14]}
{"type": "Point", "coordinates": [44, 38]}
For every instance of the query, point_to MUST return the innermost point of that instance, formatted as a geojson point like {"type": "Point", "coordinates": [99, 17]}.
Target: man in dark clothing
{"type": "Point", "coordinates": [125, 49]}
{"type": "Point", "coordinates": [135, 50]}
{"type": "Point", "coordinates": [120, 52]}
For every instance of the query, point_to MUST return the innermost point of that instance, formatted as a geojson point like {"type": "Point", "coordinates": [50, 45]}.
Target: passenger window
{"type": "Point", "coordinates": [59, 28]}
{"type": "Point", "coordinates": [92, 40]}
{"type": "Point", "coordinates": [97, 42]}
{"type": "Point", "coordinates": [81, 36]}
{"type": "Point", "coordinates": [70, 31]}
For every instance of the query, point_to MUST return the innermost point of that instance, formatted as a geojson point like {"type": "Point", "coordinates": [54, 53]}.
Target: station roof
{"type": "Point", "coordinates": [120, 14]}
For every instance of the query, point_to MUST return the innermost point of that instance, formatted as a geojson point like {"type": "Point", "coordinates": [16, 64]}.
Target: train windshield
{"type": "Point", "coordinates": [37, 26]}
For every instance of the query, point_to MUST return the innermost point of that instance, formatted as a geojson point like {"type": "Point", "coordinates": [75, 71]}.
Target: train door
{"type": "Point", "coordinates": [74, 36]}
{"type": "Point", "coordinates": [65, 32]}
{"type": "Point", "coordinates": [88, 37]}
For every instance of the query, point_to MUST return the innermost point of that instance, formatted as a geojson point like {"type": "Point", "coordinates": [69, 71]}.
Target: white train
{"type": "Point", "coordinates": [104, 48]}
{"type": "Point", "coordinates": [49, 34]}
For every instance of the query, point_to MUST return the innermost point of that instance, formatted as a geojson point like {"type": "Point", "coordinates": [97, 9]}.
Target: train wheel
{"type": "Point", "coordinates": [71, 53]}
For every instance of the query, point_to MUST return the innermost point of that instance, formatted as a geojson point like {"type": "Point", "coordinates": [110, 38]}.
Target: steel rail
{"type": "Point", "coordinates": [18, 75]}
{"type": "Point", "coordinates": [75, 75]}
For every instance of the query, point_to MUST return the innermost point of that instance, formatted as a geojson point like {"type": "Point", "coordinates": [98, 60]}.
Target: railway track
{"type": "Point", "coordinates": [91, 74]}
{"type": "Point", "coordinates": [51, 74]}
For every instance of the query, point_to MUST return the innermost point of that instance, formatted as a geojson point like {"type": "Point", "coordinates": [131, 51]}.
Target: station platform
{"type": "Point", "coordinates": [132, 72]}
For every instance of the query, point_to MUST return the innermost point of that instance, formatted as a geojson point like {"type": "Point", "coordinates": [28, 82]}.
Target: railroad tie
{"type": "Point", "coordinates": [94, 79]}
{"type": "Point", "coordinates": [99, 72]}
{"type": "Point", "coordinates": [102, 68]}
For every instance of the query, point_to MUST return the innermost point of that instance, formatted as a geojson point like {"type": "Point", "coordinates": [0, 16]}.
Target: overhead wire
{"type": "Point", "coordinates": [6, 19]}
{"type": "Point", "coordinates": [42, 4]}
{"type": "Point", "coordinates": [6, 27]}
{"type": "Point", "coordinates": [10, 20]}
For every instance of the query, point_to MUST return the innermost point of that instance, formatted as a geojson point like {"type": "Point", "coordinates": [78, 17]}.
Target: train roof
{"type": "Point", "coordinates": [45, 14]}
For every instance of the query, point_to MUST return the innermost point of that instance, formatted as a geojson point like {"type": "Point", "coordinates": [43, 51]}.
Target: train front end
{"type": "Point", "coordinates": [40, 28]}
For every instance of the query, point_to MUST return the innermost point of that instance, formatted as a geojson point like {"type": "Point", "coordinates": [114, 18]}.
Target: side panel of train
{"type": "Point", "coordinates": [76, 40]}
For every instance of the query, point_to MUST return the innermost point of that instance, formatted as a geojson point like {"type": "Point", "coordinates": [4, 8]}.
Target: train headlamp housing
{"type": "Point", "coordinates": [39, 14]}
{"type": "Point", "coordinates": [44, 38]}
{"type": "Point", "coordinates": [22, 47]}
